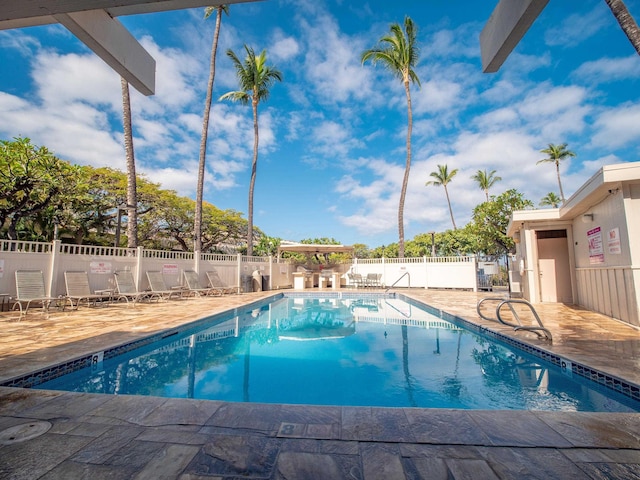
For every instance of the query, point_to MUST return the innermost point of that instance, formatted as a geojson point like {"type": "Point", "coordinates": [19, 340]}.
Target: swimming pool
{"type": "Point", "coordinates": [340, 350]}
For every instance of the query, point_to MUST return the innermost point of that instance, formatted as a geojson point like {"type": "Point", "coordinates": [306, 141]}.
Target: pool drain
{"type": "Point", "coordinates": [23, 432]}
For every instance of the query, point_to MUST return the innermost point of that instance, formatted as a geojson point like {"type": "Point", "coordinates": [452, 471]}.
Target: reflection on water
{"type": "Point", "coordinates": [376, 352]}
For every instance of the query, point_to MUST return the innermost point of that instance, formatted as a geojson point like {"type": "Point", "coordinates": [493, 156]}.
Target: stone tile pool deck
{"type": "Point", "coordinates": [75, 435]}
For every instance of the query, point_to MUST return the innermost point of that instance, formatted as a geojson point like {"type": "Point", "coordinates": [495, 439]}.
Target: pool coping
{"type": "Point", "coordinates": [568, 366]}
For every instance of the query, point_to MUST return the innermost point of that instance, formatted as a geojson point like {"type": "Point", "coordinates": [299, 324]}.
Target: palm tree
{"type": "Point", "coordinates": [197, 224]}
{"type": "Point", "coordinates": [443, 177]}
{"type": "Point", "coordinates": [398, 52]}
{"type": "Point", "coordinates": [550, 200]}
{"type": "Point", "coordinates": [626, 21]}
{"type": "Point", "coordinates": [132, 193]}
{"type": "Point", "coordinates": [255, 79]}
{"type": "Point", "coordinates": [556, 153]}
{"type": "Point", "coordinates": [486, 180]}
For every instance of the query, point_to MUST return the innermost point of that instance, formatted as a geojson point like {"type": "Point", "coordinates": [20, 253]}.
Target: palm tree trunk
{"type": "Point", "coordinates": [559, 182]}
{"type": "Point", "coordinates": [626, 21]}
{"type": "Point", "coordinates": [254, 168]}
{"type": "Point", "coordinates": [446, 192]}
{"type": "Point", "coordinates": [405, 180]}
{"type": "Point", "coordinates": [197, 224]}
{"type": "Point", "coordinates": [132, 193]}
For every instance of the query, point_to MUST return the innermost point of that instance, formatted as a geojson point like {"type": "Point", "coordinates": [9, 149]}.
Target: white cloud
{"type": "Point", "coordinates": [577, 28]}
{"type": "Point", "coordinates": [608, 70]}
{"type": "Point", "coordinates": [618, 127]}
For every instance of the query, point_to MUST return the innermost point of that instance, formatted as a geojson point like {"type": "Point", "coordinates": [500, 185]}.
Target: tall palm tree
{"type": "Point", "coordinates": [197, 224]}
{"type": "Point", "coordinates": [132, 193]}
{"type": "Point", "coordinates": [556, 153]}
{"type": "Point", "coordinates": [442, 177]}
{"type": "Point", "coordinates": [255, 78]}
{"type": "Point", "coordinates": [399, 53]}
{"type": "Point", "coordinates": [550, 200]}
{"type": "Point", "coordinates": [486, 180]}
{"type": "Point", "coordinates": [626, 21]}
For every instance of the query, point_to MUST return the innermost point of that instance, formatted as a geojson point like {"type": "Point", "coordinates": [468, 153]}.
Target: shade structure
{"type": "Point", "coordinates": [310, 248]}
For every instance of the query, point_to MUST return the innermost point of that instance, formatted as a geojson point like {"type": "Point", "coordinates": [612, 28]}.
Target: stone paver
{"type": "Point", "coordinates": [123, 437]}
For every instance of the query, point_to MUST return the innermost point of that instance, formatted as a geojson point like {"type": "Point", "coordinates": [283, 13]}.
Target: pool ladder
{"type": "Point", "coordinates": [540, 330]}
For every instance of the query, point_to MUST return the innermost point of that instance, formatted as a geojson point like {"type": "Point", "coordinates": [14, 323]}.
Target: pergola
{"type": "Point", "coordinates": [310, 248]}
{"type": "Point", "coordinates": [94, 22]}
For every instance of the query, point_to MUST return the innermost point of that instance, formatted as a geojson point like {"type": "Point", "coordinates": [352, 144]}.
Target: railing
{"type": "Point", "coordinates": [405, 274]}
{"type": "Point", "coordinates": [96, 250]}
{"type": "Point", "coordinates": [540, 330]}
{"type": "Point", "coordinates": [25, 247]}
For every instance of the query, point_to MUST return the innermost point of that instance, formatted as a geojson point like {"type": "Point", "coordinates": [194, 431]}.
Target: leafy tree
{"type": "Point", "coordinates": [463, 241]}
{"type": "Point", "coordinates": [399, 53]}
{"type": "Point", "coordinates": [442, 178]}
{"type": "Point", "coordinates": [550, 200]}
{"type": "Point", "coordinates": [132, 196]}
{"type": "Point", "coordinates": [255, 78]}
{"type": "Point", "coordinates": [491, 219]}
{"type": "Point", "coordinates": [360, 250]}
{"type": "Point", "coordinates": [32, 180]}
{"type": "Point", "coordinates": [486, 180]}
{"type": "Point", "coordinates": [556, 154]}
{"type": "Point", "coordinates": [197, 227]}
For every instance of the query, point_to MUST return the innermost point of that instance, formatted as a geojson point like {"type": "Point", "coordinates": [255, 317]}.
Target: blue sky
{"type": "Point", "coordinates": [332, 134]}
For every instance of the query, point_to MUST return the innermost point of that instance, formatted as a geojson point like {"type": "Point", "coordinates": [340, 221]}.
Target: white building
{"type": "Point", "coordinates": [586, 252]}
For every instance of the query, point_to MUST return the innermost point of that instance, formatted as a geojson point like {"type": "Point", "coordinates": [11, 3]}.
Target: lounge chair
{"type": "Point", "coordinates": [373, 280]}
{"type": "Point", "coordinates": [192, 282]}
{"type": "Point", "coordinates": [78, 290]}
{"type": "Point", "coordinates": [216, 282]}
{"type": "Point", "coordinates": [356, 279]}
{"type": "Point", "coordinates": [159, 287]}
{"type": "Point", "coordinates": [30, 289]}
{"type": "Point", "coordinates": [126, 288]}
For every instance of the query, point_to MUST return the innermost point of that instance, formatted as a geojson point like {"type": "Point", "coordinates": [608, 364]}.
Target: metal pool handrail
{"type": "Point", "coordinates": [540, 330]}
{"type": "Point", "coordinates": [405, 274]}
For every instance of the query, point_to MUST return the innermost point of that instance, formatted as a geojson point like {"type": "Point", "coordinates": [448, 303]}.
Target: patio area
{"type": "Point", "coordinates": [49, 435]}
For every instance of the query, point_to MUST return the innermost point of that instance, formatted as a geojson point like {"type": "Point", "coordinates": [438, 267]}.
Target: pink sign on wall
{"type": "Point", "coordinates": [596, 250]}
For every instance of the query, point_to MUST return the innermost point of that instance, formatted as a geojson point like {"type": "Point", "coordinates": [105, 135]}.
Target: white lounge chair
{"type": "Point", "coordinates": [192, 282]}
{"type": "Point", "coordinates": [126, 288]}
{"type": "Point", "coordinates": [159, 287]}
{"type": "Point", "coordinates": [78, 290]}
{"type": "Point", "coordinates": [30, 289]}
{"type": "Point", "coordinates": [216, 282]}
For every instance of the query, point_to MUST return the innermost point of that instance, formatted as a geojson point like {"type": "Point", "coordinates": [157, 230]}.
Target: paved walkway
{"type": "Point", "coordinates": [63, 435]}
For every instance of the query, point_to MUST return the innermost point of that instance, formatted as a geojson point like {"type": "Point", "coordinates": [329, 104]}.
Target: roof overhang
{"type": "Point", "coordinates": [94, 23]}
{"type": "Point", "coordinates": [606, 181]}
{"type": "Point", "coordinates": [507, 25]}
{"type": "Point", "coordinates": [309, 248]}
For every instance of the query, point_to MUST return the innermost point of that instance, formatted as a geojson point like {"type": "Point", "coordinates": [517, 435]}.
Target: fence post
{"type": "Point", "coordinates": [196, 261]}
{"type": "Point", "coordinates": [53, 268]}
{"type": "Point", "coordinates": [239, 272]}
{"type": "Point", "coordinates": [138, 279]}
{"type": "Point", "coordinates": [426, 272]}
{"type": "Point", "coordinates": [270, 272]}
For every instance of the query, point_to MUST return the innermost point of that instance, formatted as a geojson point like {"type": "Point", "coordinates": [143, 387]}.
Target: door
{"type": "Point", "coordinates": [553, 266]}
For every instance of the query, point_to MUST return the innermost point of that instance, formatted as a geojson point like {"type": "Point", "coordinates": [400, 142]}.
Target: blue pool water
{"type": "Point", "coordinates": [343, 351]}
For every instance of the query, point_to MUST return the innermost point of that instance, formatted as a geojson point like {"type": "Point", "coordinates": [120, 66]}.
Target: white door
{"type": "Point", "coordinates": [553, 266]}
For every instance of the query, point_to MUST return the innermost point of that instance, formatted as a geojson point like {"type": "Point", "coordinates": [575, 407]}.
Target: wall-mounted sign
{"type": "Point", "coordinates": [613, 241]}
{"type": "Point", "coordinates": [596, 250]}
{"type": "Point", "coordinates": [100, 267]}
{"type": "Point", "coordinates": [170, 269]}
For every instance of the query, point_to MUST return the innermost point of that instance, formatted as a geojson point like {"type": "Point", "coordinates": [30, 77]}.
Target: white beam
{"type": "Point", "coordinates": [25, 13]}
{"type": "Point", "coordinates": [508, 23]}
{"type": "Point", "coordinates": [108, 38]}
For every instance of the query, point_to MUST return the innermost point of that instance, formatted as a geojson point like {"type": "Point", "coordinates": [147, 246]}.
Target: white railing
{"type": "Point", "coordinates": [238, 271]}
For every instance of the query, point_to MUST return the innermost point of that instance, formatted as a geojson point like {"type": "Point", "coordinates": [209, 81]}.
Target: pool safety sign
{"type": "Point", "coordinates": [596, 250]}
{"type": "Point", "coordinates": [613, 241]}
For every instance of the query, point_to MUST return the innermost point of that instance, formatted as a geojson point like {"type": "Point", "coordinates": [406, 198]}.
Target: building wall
{"type": "Point", "coordinates": [605, 278]}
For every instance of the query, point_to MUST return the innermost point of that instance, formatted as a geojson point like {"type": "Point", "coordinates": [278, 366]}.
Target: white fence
{"type": "Point", "coordinates": [239, 271]}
